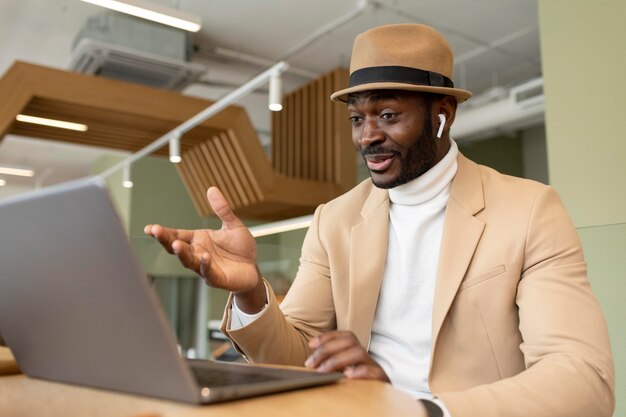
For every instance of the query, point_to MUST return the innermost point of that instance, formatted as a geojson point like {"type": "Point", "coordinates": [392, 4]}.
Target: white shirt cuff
{"type": "Point", "coordinates": [239, 319]}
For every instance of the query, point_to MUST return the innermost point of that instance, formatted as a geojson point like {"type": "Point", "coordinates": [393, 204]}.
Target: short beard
{"type": "Point", "coordinates": [419, 159]}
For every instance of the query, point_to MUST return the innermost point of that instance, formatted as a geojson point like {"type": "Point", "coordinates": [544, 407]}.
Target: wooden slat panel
{"type": "Point", "coordinates": [15, 96]}
{"type": "Point", "coordinates": [306, 131]}
{"type": "Point", "coordinates": [312, 117]}
{"type": "Point", "coordinates": [278, 130]}
{"type": "Point", "coordinates": [189, 180]}
{"type": "Point", "coordinates": [100, 134]}
{"type": "Point", "coordinates": [276, 138]}
{"type": "Point", "coordinates": [284, 138]}
{"type": "Point", "coordinates": [244, 133]}
{"type": "Point", "coordinates": [115, 122]}
{"type": "Point", "coordinates": [195, 181]}
{"type": "Point", "coordinates": [250, 174]}
{"type": "Point", "coordinates": [321, 131]}
{"type": "Point", "coordinates": [239, 172]}
{"type": "Point", "coordinates": [297, 134]}
{"type": "Point", "coordinates": [338, 116]}
{"type": "Point", "coordinates": [227, 173]}
{"type": "Point", "coordinates": [346, 174]}
{"type": "Point", "coordinates": [289, 145]}
{"type": "Point", "coordinates": [104, 142]}
{"type": "Point", "coordinates": [328, 134]}
{"type": "Point", "coordinates": [305, 134]}
{"type": "Point", "coordinates": [204, 180]}
{"type": "Point", "coordinates": [214, 163]}
{"type": "Point", "coordinates": [205, 177]}
{"type": "Point", "coordinates": [236, 181]}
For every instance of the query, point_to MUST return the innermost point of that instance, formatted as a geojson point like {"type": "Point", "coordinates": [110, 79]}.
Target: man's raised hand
{"type": "Point", "coordinates": [225, 258]}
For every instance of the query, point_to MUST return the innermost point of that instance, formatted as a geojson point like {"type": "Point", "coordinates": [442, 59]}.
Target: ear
{"type": "Point", "coordinates": [446, 106]}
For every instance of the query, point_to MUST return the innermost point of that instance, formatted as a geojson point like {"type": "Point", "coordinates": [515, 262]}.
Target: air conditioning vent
{"type": "Point", "coordinates": [125, 64]}
{"type": "Point", "coordinates": [529, 93]}
{"type": "Point", "coordinates": [133, 50]}
{"type": "Point", "coordinates": [522, 108]}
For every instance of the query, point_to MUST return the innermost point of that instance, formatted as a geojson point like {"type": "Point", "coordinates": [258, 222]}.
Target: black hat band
{"type": "Point", "coordinates": [398, 74]}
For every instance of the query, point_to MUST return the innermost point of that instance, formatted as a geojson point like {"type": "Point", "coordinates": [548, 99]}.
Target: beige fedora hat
{"type": "Point", "coordinates": [409, 56]}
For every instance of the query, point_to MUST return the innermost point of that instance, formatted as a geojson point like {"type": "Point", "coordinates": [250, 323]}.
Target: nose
{"type": "Point", "coordinates": [371, 133]}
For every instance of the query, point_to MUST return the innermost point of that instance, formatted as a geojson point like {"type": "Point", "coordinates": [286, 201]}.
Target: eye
{"type": "Point", "coordinates": [355, 119]}
{"type": "Point", "coordinates": [387, 115]}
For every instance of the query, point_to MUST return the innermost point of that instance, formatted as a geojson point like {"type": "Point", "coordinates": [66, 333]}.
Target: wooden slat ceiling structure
{"type": "Point", "coordinates": [313, 159]}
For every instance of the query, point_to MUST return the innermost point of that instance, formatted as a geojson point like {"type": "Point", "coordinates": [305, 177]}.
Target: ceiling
{"type": "Point", "coordinates": [496, 43]}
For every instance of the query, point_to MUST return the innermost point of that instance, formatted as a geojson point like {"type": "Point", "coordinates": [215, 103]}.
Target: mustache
{"type": "Point", "coordinates": [377, 150]}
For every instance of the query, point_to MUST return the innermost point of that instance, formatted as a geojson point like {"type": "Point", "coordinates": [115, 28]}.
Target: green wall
{"type": "Point", "coordinates": [605, 250]}
{"type": "Point", "coordinates": [159, 196]}
{"type": "Point", "coordinates": [584, 61]}
{"type": "Point", "coordinates": [502, 153]}
{"type": "Point", "coordinates": [583, 46]}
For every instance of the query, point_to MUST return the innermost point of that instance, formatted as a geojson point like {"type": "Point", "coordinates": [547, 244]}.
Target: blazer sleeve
{"type": "Point", "coordinates": [281, 334]}
{"type": "Point", "coordinates": [569, 368]}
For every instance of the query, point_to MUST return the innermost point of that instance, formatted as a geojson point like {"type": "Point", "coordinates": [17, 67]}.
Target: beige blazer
{"type": "Point", "coordinates": [516, 328]}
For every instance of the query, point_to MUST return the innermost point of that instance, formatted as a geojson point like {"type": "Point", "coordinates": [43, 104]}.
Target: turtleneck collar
{"type": "Point", "coordinates": [430, 183]}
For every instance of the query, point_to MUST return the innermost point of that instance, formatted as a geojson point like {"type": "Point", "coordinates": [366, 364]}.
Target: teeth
{"type": "Point", "coordinates": [378, 157]}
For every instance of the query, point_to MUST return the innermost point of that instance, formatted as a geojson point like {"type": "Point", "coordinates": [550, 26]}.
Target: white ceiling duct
{"type": "Point", "coordinates": [129, 49]}
{"type": "Point", "coordinates": [523, 107]}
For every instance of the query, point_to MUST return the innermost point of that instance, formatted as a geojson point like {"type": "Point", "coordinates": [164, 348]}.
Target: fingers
{"type": "Point", "coordinates": [334, 351]}
{"type": "Point", "coordinates": [175, 241]}
{"type": "Point", "coordinates": [185, 254]}
{"type": "Point", "coordinates": [167, 236]}
{"type": "Point", "coordinates": [222, 209]}
{"type": "Point", "coordinates": [366, 371]}
{"type": "Point", "coordinates": [340, 351]}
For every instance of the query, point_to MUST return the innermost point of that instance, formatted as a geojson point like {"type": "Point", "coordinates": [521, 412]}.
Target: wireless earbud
{"type": "Point", "coordinates": [442, 124]}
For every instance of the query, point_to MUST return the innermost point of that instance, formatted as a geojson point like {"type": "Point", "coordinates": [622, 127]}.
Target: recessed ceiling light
{"type": "Point", "coordinates": [20, 172]}
{"type": "Point", "coordinates": [51, 122]}
{"type": "Point", "coordinates": [155, 12]}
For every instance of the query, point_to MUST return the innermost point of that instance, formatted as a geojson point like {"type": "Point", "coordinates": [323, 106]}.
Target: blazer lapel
{"type": "Point", "coordinates": [461, 234]}
{"type": "Point", "coordinates": [368, 252]}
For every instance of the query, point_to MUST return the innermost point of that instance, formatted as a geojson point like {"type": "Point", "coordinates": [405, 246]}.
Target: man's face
{"type": "Point", "coordinates": [393, 131]}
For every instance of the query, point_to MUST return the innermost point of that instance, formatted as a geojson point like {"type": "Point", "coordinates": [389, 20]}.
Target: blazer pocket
{"type": "Point", "coordinates": [492, 273]}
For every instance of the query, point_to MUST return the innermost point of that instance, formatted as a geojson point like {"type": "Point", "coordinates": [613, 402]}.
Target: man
{"type": "Point", "coordinates": [444, 277]}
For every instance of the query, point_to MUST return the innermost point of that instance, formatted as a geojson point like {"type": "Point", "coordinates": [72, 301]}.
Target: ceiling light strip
{"type": "Point", "coordinates": [51, 122]}
{"type": "Point", "coordinates": [281, 226]}
{"type": "Point", "coordinates": [19, 172]}
{"type": "Point", "coordinates": [153, 12]}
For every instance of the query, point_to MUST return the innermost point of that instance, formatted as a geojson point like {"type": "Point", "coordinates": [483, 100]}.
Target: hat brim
{"type": "Point", "coordinates": [342, 95]}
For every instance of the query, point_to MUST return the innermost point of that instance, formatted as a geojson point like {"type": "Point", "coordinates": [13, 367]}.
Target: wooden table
{"type": "Point", "coordinates": [21, 396]}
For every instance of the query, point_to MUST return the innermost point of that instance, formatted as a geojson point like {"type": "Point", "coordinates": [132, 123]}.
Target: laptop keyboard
{"type": "Point", "coordinates": [210, 377]}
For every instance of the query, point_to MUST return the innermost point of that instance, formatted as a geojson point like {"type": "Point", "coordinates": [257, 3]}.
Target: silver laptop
{"type": "Point", "coordinates": [76, 307]}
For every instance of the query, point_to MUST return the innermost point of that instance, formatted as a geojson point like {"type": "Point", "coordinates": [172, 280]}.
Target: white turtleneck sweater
{"type": "Point", "coordinates": [402, 328]}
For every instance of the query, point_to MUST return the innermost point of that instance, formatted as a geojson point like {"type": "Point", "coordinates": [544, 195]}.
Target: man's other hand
{"type": "Point", "coordinates": [340, 351]}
